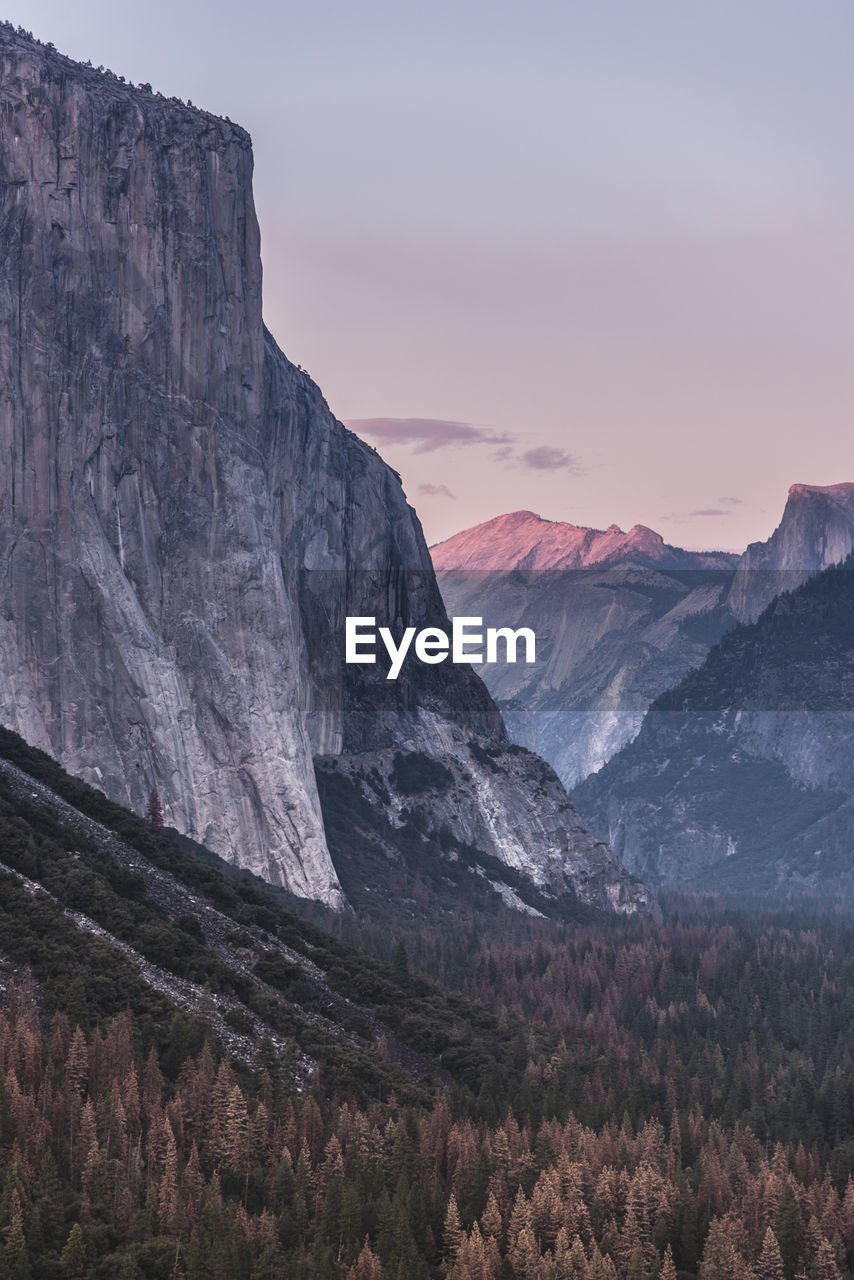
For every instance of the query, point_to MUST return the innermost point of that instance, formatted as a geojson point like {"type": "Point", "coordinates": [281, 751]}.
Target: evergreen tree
{"type": "Point", "coordinates": [73, 1258]}
{"type": "Point", "coordinates": [668, 1270]}
{"type": "Point", "coordinates": [721, 1260]}
{"type": "Point", "coordinates": [490, 1222]}
{"type": "Point", "coordinates": [452, 1232]}
{"type": "Point", "coordinates": [824, 1265]}
{"type": "Point", "coordinates": [15, 1254]}
{"type": "Point", "coordinates": [789, 1231]}
{"type": "Point", "coordinates": [769, 1264]}
{"type": "Point", "coordinates": [601, 1266]}
{"type": "Point", "coordinates": [526, 1255]}
{"type": "Point", "coordinates": [367, 1266]}
{"type": "Point", "coordinates": [153, 812]}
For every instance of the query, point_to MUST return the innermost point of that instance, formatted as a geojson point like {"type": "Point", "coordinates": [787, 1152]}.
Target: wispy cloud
{"type": "Point", "coordinates": [715, 512]}
{"type": "Point", "coordinates": [426, 434]}
{"type": "Point", "coordinates": [436, 491]}
{"type": "Point", "coordinates": [547, 458]}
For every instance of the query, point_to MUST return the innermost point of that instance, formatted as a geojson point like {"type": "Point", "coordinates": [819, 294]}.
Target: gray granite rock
{"type": "Point", "coordinates": [815, 532]}
{"type": "Point", "coordinates": [184, 526]}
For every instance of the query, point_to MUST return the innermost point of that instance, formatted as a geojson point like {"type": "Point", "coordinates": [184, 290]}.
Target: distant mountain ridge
{"type": "Point", "coordinates": [619, 617]}
{"type": "Point", "coordinates": [742, 777]}
{"type": "Point", "coordinates": [523, 540]}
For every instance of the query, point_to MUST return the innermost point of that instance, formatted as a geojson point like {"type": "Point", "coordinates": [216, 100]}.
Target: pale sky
{"type": "Point", "coordinates": [595, 260]}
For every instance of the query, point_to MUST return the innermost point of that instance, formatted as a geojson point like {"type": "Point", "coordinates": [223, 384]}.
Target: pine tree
{"type": "Point", "coordinates": [560, 1264]}
{"type": "Point", "coordinates": [236, 1126]}
{"type": "Point", "coordinates": [601, 1266]}
{"type": "Point", "coordinates": [789, 1230]}
{"type": "Point", "coordinates": [452, 1233]}
{"type": "Point", "coordinates": [577, 1261]}
{"type": "Point", "coordinates": [848, 1216]}
{"type": "Point", "coordinates": [153, 812]}
{"type": "Point", "coordinates": [16, 1257]}
{"type": "Point", "coordinates": [636, 1269]}
{"type": "Point", "coordinates": [73, 1257]}
{"type": "Point", "coordinates": [721, 1260]}
{"type": "Point", "coordinates": [168, 1193]}
{"type": "Point", "coordinates": [668, 1269]}
{"type": "Point", "coordinates": [87, 1146]}
{"type": "Point", "coordinates": [519, 1218]}
{"type": "Point", "coordinates": [77, 1063]}
{"type": "Point", "coordinates": [769, 1264]}
{"type": "Point", "coordinates": [471, 1261]}
{"type": "Point", "coordinates": [193, 1185]}
{"type": "Point", "coordinates": [490, 1222]}
{"type": "Point", "coordinates": [824, 1265]}
{"type": "Point", "coordinates": [526, 1256]}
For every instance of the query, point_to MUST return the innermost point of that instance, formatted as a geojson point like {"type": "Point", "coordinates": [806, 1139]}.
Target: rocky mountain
{"type": "Point", "coordinates": [743, 776]}
{"type": "Point", "coordinates": [523, 540]}
{"type": "Point", "coordinates": [816, 531]}
{"type": "Point", "coordinates": [184, 526]}
{"type": "Point", "coordinates": [619, 617]}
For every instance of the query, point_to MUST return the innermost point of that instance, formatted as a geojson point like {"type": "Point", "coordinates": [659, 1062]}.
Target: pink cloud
{"type": "Point", "coordinates": [427, 434]}
{"type": "Point", "coordinates": [436, 491]}
{"type": "Point", "coordinates": [547, 458]}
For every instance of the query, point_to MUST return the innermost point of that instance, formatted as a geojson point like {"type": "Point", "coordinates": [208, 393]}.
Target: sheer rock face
{"type": "Point", "coordinates": [184, 525]}
{"type": "Point", "coordinates": [815, 532]}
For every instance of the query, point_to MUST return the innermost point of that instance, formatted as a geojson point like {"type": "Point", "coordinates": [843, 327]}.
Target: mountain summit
{"type": "Point", "coordinates": [816, 531]}
{"type": "Point", "coordinates": [184, 526]}
{"type": "Point", "coordinates": [523, 540]}
{"type": "Point", "coordinates": [619, 617]}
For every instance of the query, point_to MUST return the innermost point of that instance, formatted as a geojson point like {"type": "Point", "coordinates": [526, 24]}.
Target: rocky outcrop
{"type": "Point", "coordinates": [816, 531]}
{"type": "Point", "coordinates": [183, 523]}
{"type": "Point", "coordinates": [619, 617]}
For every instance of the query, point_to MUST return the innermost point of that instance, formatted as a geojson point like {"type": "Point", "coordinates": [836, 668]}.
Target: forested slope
{"type": "Point", "coordinates": [195, 1082]}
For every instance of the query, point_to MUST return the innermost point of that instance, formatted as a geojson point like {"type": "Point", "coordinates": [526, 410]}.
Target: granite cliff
{"type": "Point", "coordinates": [815, 532]}
{"type": "Point", "coordinates": [184, 525]}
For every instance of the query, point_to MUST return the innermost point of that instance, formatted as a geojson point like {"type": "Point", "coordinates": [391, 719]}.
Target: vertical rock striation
{"type": "Point", "coordinates": [815, 532]}
{"type": "Point", "coordinates": [184, 525]}
{"type": "Point", "coordinates": [148, 636]}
